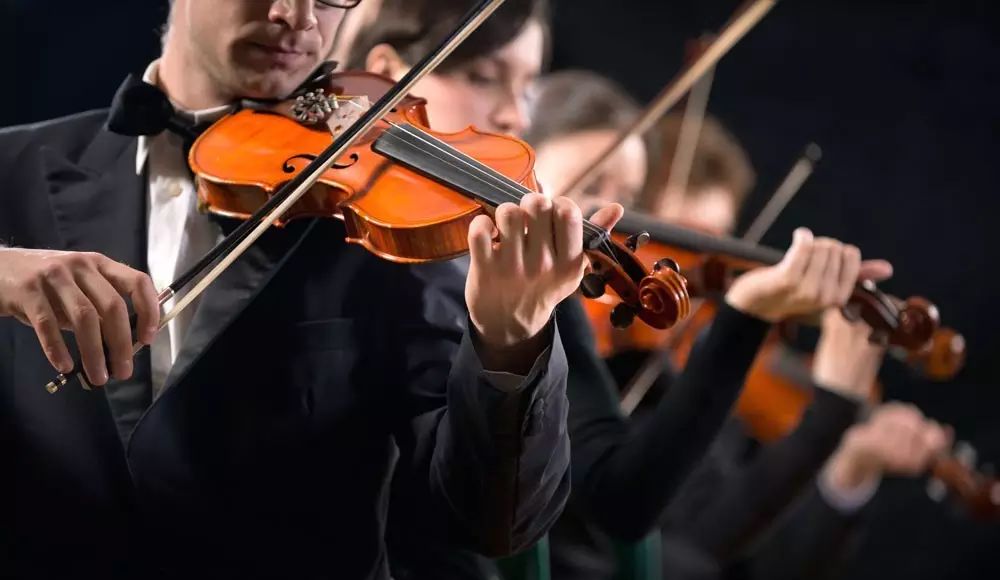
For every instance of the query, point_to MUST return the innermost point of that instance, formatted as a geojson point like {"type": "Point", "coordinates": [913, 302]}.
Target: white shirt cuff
{"type": "Point", "coordinates": [510, 382]}
{"type": "Point", "coordinates": [846, 501]}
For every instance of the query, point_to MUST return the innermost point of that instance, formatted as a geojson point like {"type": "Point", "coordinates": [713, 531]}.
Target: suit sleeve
{"type": "Point", "coordinates": [485, 465]}
{"type": "Point", "coordinates": [754, 497]}
{"type": "Point", "coordinates": [625, 473]}
{"type": "Point", "coordinates": [812, 541]}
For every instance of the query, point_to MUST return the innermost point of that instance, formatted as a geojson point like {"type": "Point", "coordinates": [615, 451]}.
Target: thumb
{"type": "Point", "coordinates": [875, 270]}
{"type": "Point", "coordinates": [608, 216]}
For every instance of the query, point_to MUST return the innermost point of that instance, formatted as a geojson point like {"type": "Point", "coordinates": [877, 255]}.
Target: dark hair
{"type": "Point", "coordinates": [414, 27]}
{"type": "Point", "coordinates": [719, 160]}
{"type": "Point", "coordinates": [574, 100]}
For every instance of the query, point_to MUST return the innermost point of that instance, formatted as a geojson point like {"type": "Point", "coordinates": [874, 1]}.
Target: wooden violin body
{"type": "Point", "coordinates": [252, 153]}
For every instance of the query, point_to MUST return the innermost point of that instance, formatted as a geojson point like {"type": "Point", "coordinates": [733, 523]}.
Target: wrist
{"type": "Point", "coordinates": [510, 351]}
{"type": "Point", "coordinates": [847, 472]}
{"type": "Point", "coordinates": [841, 386]}
{"type": "Point", "coordinates": [502, 329]}
{"type": "Point", "coordinates": [850, 375]}
{"type": "Point", "coordinates": [747, 304]}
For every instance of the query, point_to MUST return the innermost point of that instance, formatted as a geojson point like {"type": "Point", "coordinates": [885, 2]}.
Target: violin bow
{"type": "Point", "coordinates": [637, 388]}
{"type": "Point", "coordinates": [691, 124]}
{"type": "Point", "coordinates": [742, 23]}
{"type": "Point", "coordinates": [237, 242]}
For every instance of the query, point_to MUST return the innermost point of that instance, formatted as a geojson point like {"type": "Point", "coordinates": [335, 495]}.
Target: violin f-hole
{"type": "Point", "coordinates": [288, 167]}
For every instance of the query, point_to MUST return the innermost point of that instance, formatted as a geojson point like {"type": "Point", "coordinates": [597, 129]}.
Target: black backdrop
{"type": "Point", "coordinates": [900, 94]}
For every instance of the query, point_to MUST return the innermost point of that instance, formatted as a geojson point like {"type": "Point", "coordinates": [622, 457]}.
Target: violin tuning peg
{"type": "Point", "coordinates": [636, 241]}
{"type": "Point", "coordinates": [936, 490]}
{"type": "Point", "coordinates": [622, 316]}
{"type": "Point", "coordinates": [593, 285]}
{"type": "Point", "coordinates": [966, 454]}
{"type": "Point", "coordinates": [668, 264]}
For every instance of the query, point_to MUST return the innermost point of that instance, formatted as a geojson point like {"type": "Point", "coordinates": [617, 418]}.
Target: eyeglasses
{"type": "Point", "coordinates": [340, 3]}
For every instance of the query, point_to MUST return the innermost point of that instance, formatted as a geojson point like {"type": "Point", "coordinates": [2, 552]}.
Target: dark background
{"type": "Point", "coordinates": [901, 95]}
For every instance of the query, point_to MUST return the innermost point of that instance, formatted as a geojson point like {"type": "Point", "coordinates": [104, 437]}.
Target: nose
{"type": "Point", "coordinates": [511, 115]}
{"type": "Point", "coordinates": [297, 15]}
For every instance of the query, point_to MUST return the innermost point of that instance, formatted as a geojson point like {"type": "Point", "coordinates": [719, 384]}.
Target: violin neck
{"type": "Point", "coordinates": [695, 241]}
{"type": "Point", "coordinates": [423, 153]}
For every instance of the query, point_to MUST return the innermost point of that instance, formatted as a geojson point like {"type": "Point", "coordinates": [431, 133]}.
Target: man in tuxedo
{"type": "Point", "coordinates": [257, 434]}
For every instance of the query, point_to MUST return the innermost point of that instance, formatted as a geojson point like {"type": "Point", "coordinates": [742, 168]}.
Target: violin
{"type": "Point", "coordinates": [714, 261]}
{"type": "Point", "coordinates": [776, 391]}
{"type": "Point", "coordinates": [957, 474]}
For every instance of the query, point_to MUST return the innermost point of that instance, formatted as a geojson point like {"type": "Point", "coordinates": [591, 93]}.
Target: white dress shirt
{"type": "Point", "coordinates": [178, 233]}
{"type": "Point", "coordinates": [846, 501]}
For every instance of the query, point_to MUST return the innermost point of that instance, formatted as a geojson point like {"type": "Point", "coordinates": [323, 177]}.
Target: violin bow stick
{"type": "Point", "coordinates": [690, 130]}
{"type": "Point", "coordinates": [637, 389]}
{"type": "Point", "coordinates": [234, 245]}
{"type": "Point", "coordinates": [782, 196]}
{"type": "Point", "coordinates": [731, 34]}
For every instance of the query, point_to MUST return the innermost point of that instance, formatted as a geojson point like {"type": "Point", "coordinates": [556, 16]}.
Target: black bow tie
{"type": "Point", "coordinates": [140, 108]}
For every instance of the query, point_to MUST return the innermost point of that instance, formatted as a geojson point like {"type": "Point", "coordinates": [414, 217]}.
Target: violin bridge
{"type": "Point", "coordinates": [337, 112]}
{"type": "Point", "coordinates": [346, 111]}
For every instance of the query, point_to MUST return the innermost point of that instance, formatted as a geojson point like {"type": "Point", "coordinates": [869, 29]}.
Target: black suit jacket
{"type": "Point", "coordinates": [310, 369]}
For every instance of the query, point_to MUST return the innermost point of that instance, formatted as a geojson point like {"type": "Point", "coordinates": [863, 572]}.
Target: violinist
{"type": "Point", "coordinates": [728, 500]}
{"type": "Point", "coordinates": [623, 473]}
{"type": "Point", "coordinates": [255, 438]}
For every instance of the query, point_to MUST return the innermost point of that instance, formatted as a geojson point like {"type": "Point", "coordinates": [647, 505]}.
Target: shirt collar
{"type": "Point", "coordinates": [152, 76]}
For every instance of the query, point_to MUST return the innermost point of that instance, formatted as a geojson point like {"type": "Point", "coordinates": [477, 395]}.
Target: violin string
{"type": "Point", "coordinates": [519, 190]}
{"type": "Point", "coordinates": [506, 185]}
{"type": "Point", "coordinates": [516, 190]}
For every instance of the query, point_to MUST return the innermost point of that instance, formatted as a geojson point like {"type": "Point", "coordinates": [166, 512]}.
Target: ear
{"type": "Point", "coordinates": [384, 60]}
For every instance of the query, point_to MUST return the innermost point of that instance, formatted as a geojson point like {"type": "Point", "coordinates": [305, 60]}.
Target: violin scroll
{"type": "Point", "coordinates": [956, 475]}
{"type": "Point", "coordinates": [659, 297]}
{"type": "Point", "coordinates": [942, 357]}
{"type": "Point", "coordinates": [909, 325]}
{"type": "Point", "coordinates": [918, 321]}
{"type": "Point", "coordinates": [664, 292]}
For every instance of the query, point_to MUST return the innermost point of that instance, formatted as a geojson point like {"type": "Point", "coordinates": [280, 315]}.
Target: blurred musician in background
{"type": "Point", "coordinates": [738, 488]}
{"type": "Point", "coordinates": [625, 473]}
{"type": "Point", "coordinates": [356, 19]}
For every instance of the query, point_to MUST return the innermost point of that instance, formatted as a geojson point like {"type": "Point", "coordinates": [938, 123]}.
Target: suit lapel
{"type": "Point", "coordinates": [234, 290]}
{"type": "Point", "coordinates": [99, 205]}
